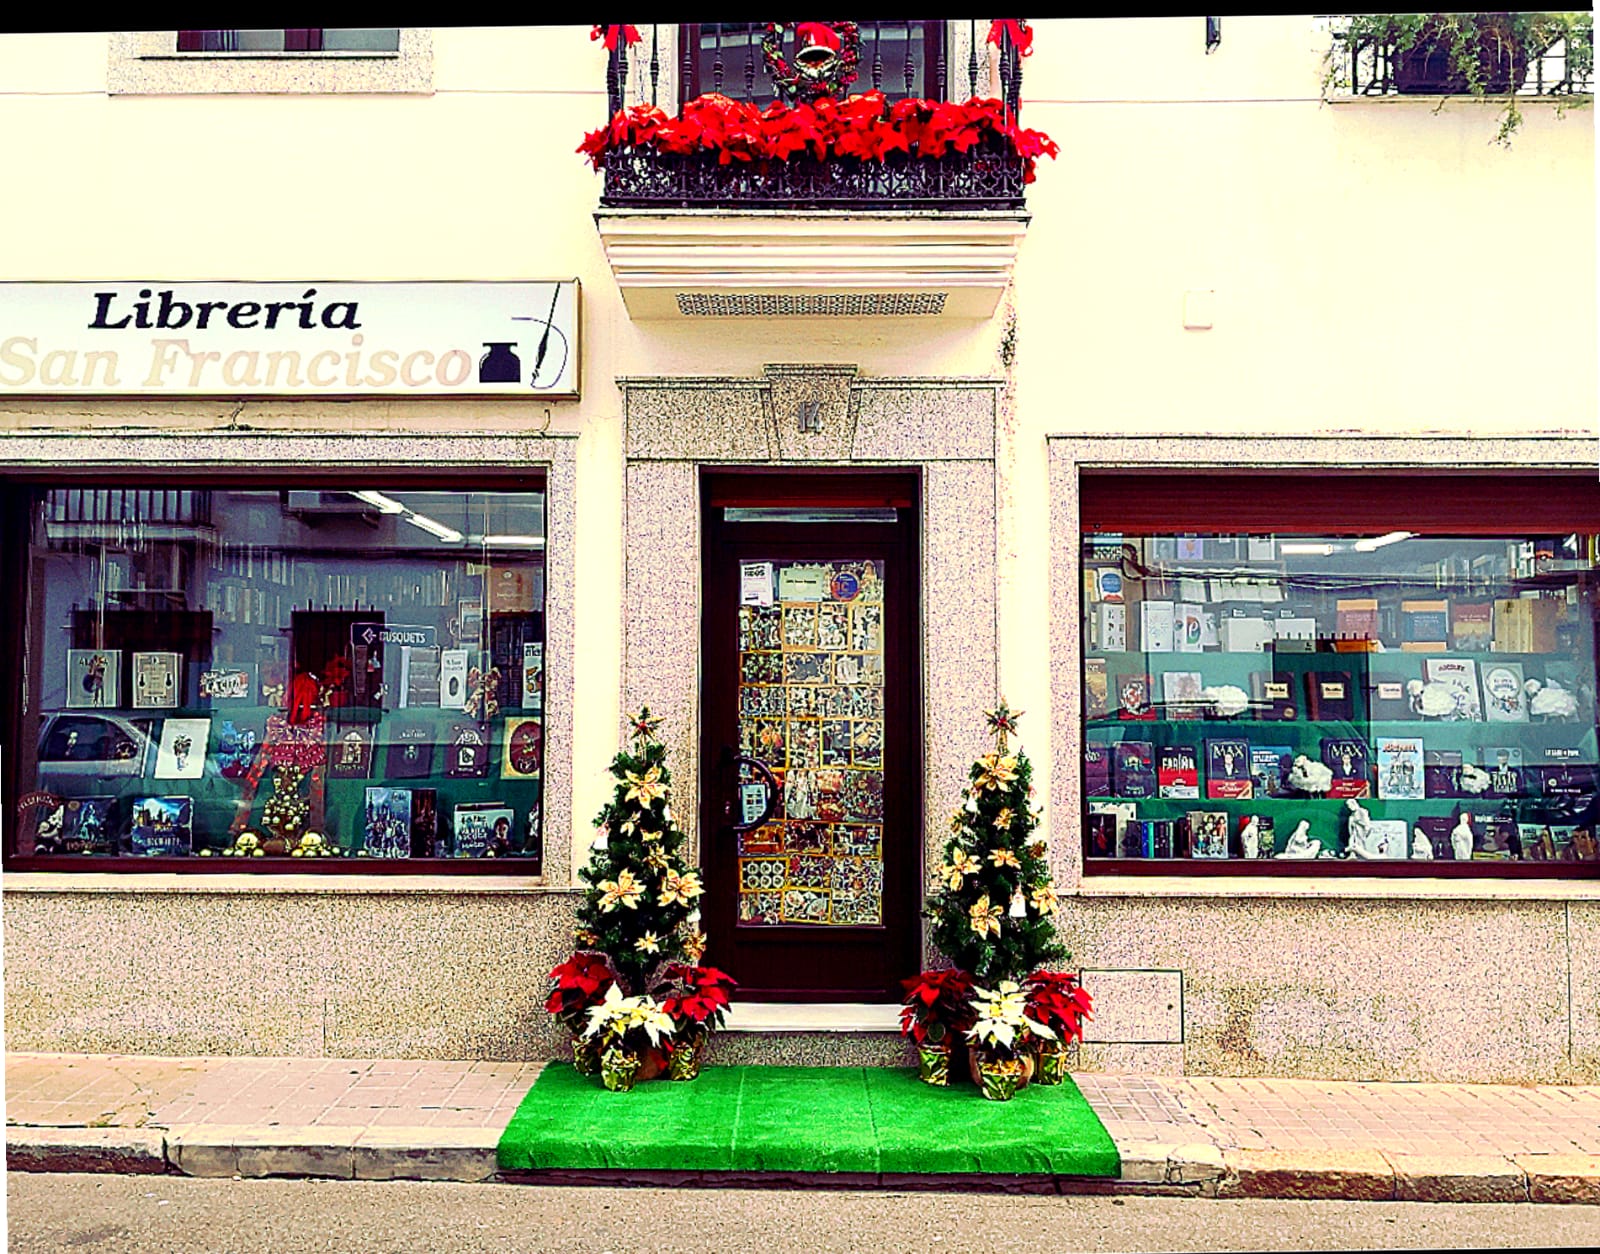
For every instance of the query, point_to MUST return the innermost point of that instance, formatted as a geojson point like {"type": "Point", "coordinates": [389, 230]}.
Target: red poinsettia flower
{"type": "Point", "coordinates": [1057, 1000]}
{"type": "Point", "coordinates": [866, 127]}
{"type": "Point", "coordinates": [938, 1005]}
{"type": "Point", "coordinates": [576, 984]}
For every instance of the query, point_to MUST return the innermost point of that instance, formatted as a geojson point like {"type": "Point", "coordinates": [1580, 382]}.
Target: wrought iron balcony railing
{"type": "Point", "coordinates": [932, 60]}
{"type": "Point", "coordinates": [1374, 67]}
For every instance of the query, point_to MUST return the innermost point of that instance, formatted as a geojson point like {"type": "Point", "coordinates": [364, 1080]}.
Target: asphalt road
{"type": "Point", "coordinates": [162, 1214]}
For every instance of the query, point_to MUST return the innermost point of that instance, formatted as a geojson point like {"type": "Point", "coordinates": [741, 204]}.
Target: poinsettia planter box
{"type": "Point", "coordinates": [981, 178]}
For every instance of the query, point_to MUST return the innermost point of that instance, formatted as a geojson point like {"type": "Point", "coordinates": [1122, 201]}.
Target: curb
{"type": "Point", "coordinates": [467, 1155]}
{"type": "Point", "coordinates": [122, 1151]}
{"type": "Point", "coordinates": [463, 1155]}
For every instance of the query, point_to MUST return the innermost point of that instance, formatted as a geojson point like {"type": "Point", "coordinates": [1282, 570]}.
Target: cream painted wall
{"type": "Point", "coordinates": [1377, 267]}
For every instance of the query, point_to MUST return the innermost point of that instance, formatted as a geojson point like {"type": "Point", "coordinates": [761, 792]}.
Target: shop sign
{"type": "Point", "coordinates": [148, 338]}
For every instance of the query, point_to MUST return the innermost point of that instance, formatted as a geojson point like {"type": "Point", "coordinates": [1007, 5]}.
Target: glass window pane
{"type": "Point", "coordinates": [1381, 697]}
{"type": "Point", "coordinates": [386, 39]}
{"type": "Point", "coordinates": [217, 672]}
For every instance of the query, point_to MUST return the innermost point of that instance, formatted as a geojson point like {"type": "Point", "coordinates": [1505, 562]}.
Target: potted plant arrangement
{"type": "Point", "coordinates": [937, 1014]}
{"type": "Point", "coordinates": [1477, 54]}
{"type": "Point", "coordinates": [992, 912]}
{"type": "Point", "coordinates": [630, 1034]}
{"type": "Point", "coordinates": [698, 1006]}
{"type": "Point", "coordinates": [576, 986]}
{"type": "Point", "coordinates": [1001, 1035]}
{"type": "Point", "coordinates": [634, 993]}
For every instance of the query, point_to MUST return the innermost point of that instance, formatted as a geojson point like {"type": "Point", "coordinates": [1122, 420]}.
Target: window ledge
{"type": "Point", "coordinates": [22, 882]}
{"type": "Point", "coordinates": [1308, 886]}
{"type": "Point", "coordinates": [146, 63]}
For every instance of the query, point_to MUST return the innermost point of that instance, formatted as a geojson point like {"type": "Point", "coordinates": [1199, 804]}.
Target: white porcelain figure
{"type": "Point", "coordinates": [1300, 844]}
{"type": "Point", "coordinates": [1225, 700]}
{"type": "Point", "coordinates": [1461, 838]}
{"type": "Point", "coordinates": [1421, 846]}
{"type": "Point", "coordinates": [1250, 838]}
{"type": "Point", "coordinates": [1360, 831]}
{"type": "Point", "coordinates": [1308, 776]}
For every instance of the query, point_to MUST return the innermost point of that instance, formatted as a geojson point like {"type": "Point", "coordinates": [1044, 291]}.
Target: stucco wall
{"type": "Point", "coordinates": [1378, 269]}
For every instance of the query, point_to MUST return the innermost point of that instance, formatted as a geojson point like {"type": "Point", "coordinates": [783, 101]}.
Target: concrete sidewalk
{"type": "Point", "coordinates": [390, 1119]}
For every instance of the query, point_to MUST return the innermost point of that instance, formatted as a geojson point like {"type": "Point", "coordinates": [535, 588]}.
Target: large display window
{"type": "Point", "coordinates": [1340, 674]}
{"type": "Point", "coordinates": [246, 677]}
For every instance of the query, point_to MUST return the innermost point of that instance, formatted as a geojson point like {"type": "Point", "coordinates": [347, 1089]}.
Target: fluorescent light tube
{"type": "Point", "coordinates": [448, 534]}
{"type": "Point", "coordinates": [1378, 542]}
{"type": "Point", "coordinates": [384, 504]}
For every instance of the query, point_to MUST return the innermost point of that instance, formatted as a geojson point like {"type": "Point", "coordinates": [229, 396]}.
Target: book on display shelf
{"type": "Point", "coordinates": [1228, 769]}
{"type": "Point", "coordinates": [1178, 772]}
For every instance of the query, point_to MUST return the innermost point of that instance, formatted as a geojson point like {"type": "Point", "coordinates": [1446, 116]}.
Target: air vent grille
{"type": "Point", "coordinates": [810, 305]}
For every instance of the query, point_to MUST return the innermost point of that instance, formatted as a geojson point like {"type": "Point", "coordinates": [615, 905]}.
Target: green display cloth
{"type": "Point", "coordinates": [807, 1119]}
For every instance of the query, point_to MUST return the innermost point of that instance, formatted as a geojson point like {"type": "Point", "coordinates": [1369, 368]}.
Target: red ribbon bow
{"type": "Point", "coordinates": [611, 34]}
{"type": "Point", "coordinates": [1020, 32]}
{"type": "Point", "coordinates": [812, 34]}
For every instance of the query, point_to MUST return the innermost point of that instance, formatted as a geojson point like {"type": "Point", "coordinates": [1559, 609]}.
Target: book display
{"type": "Point", "coordinates": [267, 674]}
{"type": "Point", "coordinates": [1377, 699]}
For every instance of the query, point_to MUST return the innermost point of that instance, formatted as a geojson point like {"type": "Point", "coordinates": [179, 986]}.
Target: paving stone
{"type": "Point", "coordinates": [1353, 1175]}
{"type": "Point", "coordinates": [124, 1151]}
{"type": "Point", "coordinates": [1561, 1177]}
{"type": "Point", "coordinates": [1457, 1178]}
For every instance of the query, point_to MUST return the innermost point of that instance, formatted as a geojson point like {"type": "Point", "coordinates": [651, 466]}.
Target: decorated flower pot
{"type": "Point", "coordinates": [684, 1061]}
{"type": "Point", "coordinates": [1000, 1078]}
{"type": "Point", "coordinates": [933, 1065]}
{"type": "Point", "coordinates": [1052, 1064]}
{"type": "Point", "coordinates": [976, 1059]}
{"type": "Point", "coordinates": [619, 1070]}
{"type": "Point", "coordinates": [586, 1055]}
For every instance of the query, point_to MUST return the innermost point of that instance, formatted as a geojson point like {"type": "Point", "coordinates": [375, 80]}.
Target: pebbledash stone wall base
{"type": "Point", "coordinates": [1397, 980]}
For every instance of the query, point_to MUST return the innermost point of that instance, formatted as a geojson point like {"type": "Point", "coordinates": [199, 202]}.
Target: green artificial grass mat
{"type": "Point", "coordinates": [804, 1119]}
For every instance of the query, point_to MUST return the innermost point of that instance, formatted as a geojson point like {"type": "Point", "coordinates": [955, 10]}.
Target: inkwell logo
{"type": "Point", "coordinates": [502, 365]}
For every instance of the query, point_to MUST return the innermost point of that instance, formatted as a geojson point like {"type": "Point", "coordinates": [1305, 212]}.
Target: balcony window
{"type": "Point", "coordinates": [897, 58]}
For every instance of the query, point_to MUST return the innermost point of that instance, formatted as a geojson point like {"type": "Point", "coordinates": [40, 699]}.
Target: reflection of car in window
{"type": "Point", "coordinates": [78, 749]}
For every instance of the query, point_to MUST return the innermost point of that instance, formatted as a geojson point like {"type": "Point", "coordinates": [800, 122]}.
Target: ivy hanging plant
{"type": "Point", "coordinates": [1473, 54]}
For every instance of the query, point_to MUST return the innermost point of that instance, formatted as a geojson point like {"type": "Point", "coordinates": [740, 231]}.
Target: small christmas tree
{"type": "Point", "coordinates": [640, 907]}
{"type": "Point", "coordinates": [993, 908]}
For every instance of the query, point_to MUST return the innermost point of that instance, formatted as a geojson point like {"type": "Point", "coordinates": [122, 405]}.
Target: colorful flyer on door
{"type": "Point", "coordinates": [533, 675]}
{"type": "Point", "coordinates": [755, 583]}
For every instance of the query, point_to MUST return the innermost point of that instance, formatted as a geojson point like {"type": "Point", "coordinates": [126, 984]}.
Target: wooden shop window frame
{"type": "Point", "coordinates": [16, 494]}
{"type": "Point", "coordinates": [1316, 501]}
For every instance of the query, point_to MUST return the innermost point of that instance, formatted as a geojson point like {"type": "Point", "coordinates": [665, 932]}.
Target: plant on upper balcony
{"type": "Point", "coordinates": [865, 127]}
{"type": "Point", "coordinates": [1476, 54]}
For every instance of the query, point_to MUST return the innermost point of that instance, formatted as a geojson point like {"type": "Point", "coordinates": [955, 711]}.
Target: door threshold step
{"type": "Point", "coordinates": [815, 1016]}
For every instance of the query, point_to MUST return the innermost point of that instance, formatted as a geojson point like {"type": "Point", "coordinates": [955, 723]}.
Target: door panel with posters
{"type": "Point", "coordinates": [811, 803]}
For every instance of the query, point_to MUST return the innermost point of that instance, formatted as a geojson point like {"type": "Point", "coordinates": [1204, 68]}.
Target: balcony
{"type": "Point", "coordinates": [814, 168]}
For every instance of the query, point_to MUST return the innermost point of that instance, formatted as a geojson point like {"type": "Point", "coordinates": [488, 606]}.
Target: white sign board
{"type": "Point", "coordinates": [290, 339]}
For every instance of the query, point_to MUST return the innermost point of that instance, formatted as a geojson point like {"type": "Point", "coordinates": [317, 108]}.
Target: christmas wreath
{"type": "Point", "coordinates": [829, 53]}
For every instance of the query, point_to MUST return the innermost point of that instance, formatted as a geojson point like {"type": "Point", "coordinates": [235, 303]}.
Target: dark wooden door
{"type": "Point", "coordinates": [810, 650]}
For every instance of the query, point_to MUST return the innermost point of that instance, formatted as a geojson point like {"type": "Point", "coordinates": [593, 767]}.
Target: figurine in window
{"type": "Point", "coordinates": [1421, 846]}
{"type": "Point", "coordinates": [1461, 838]}
{"type": "Point", "coordinates": [1359, 831]}
{"type": "Point", "coordinates": [1300, 844]}
{"type": "Point", "coordinates": [1250, 838]}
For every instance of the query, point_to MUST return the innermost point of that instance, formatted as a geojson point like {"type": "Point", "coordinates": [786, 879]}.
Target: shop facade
{"type": "Point", "coordinates": [821, 485]}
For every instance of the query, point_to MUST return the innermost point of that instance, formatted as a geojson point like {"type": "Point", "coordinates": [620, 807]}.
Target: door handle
{"type": "Point", "coordinates": [736, 811]}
